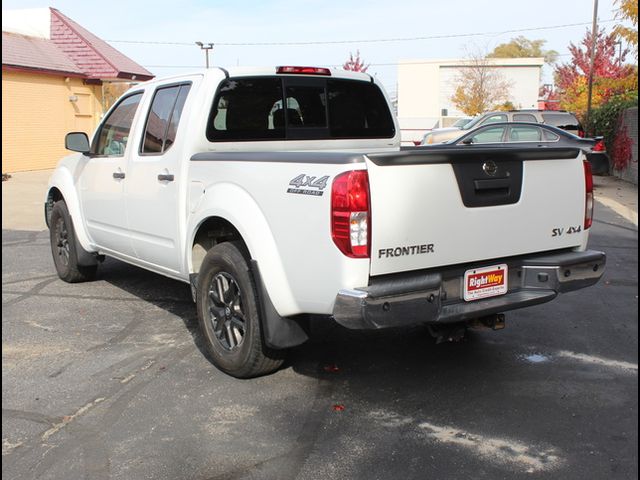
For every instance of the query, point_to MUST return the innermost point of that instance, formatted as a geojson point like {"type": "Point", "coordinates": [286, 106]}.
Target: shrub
{"type": "Point", "coordinates": [622, 150]}
{"type": "Point", "coordinates": [604, 120]}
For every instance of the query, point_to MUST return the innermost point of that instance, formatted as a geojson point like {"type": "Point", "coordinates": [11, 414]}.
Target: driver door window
{"type": "Point", "coordinates": [114, 133]}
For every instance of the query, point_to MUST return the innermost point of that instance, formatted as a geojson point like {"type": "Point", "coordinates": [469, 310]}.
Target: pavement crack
{"type": "Point", "coordinates": [31, 238]}
{"type": "Point", "coordinates": [34, 291]}
{"type": "Point", "coordinates": [70, 418]}
{"type": "Point", "coordinates": [25, 280]}
{"type": "Point", "coordinates": [89, 297]}
{"type": "Point", "coordinates": [41, 327]}
{"type": "Point", "coordinates": [119, 337]}
{"type": "Point", "coordinates": [30, 416]}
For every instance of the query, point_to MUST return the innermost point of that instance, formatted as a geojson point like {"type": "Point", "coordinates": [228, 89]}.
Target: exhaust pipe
{"type": "Point", "coordinates": [493, 322]}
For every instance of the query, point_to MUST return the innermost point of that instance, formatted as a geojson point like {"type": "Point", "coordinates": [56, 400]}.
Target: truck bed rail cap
{"type": "Point", "coordinates": [332, 158]}
{"type": "Point", "coordinates": [432, 155]}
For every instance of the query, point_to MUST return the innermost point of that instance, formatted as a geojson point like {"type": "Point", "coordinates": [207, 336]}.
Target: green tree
{"type": "Point", "coordinates": [628, 10]}
{"type": "Point", "coordinates": [523, 47]}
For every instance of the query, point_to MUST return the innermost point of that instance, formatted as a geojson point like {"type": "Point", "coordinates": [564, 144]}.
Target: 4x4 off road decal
{"type": "Point", "coordinates": [308, 185]}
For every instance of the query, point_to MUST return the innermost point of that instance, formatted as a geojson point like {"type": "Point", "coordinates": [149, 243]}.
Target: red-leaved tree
{"type": "Point", "coordinates": [550, 97]}
{"type": "Point", "coordinates": [611, 76]}
{"type": "Point", "coordinates": [355, 64]}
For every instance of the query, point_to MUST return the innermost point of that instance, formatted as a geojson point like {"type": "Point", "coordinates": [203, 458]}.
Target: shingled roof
{"type": "Point", "coordinates": [94, 56]}
{"type": "Point", "coordinates": [70, 49]}
{"type": "Point", "coordinates": [35, 53]}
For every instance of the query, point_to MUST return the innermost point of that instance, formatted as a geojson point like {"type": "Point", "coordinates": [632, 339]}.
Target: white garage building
{"type": "Point", "coordinates": [425, 88]}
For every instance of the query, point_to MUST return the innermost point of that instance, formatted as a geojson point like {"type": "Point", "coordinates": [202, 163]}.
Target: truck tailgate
{"type": "Point", "coordinates": [450, 206]}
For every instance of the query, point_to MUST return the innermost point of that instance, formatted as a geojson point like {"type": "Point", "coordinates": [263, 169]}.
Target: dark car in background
{"type": "Point", "coordinates": [556, 118]}
{"type": "Point", "coordinates": [521, 134]}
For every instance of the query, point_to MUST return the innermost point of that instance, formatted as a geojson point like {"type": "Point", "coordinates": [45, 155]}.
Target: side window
{"type": "Point", "coordinates": [114, 132]}
{"type": "Point", "coordinates": [175, 116]}
{"type": "Point", "coordinates": [163, 118]}
{"type": "Point", "coordinates": [550, 136]}
{"type": "Point", "coordinates": [500, 117]}
{"type": "Point", "coordinates": [244, 109]}
{"type": "Point", "coordinates": [488, 135]}
{"type": "Point", "coordinates": [524, 117]}
{"type": "Point", "coordinates": [525, 134]}
{"type": "Point", "coordinates": [564, 120]}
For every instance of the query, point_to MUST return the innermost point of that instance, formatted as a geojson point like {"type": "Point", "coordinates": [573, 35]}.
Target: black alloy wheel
{"type": "Point", "coordinates": [225, 311]}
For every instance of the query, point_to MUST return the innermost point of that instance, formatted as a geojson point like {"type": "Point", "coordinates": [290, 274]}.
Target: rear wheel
{"type": "Point", "coordinates": [227, 305]}
{"type": "Point", "coordinates": [63, 247]}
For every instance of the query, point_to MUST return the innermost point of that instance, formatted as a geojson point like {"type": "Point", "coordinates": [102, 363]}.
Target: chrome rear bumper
{"type": "Point", "coordinates": [433, 296]}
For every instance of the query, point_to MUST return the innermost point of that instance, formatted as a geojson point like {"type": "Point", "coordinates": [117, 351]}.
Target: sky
{"type": "Point", "coordinates": [384, 32]}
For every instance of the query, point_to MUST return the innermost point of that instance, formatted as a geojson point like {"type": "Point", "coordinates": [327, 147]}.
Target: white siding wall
{"type": "Point", "coordinates": [426, 87]}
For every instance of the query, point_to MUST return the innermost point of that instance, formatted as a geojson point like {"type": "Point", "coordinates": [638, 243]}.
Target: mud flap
{"type": "Point", "coordinates": [279, 332]}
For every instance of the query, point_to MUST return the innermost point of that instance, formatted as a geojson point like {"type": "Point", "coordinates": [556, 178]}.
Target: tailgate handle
{"type": "Point", "coordinates": [493, 184]}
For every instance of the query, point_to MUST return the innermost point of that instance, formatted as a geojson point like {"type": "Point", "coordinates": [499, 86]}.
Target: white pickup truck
{"type": "Point", "coordinates": [281, 193]}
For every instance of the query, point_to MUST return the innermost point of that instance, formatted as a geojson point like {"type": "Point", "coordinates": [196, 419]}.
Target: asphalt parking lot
{"type": "Point", "coordinates": [107, 380]}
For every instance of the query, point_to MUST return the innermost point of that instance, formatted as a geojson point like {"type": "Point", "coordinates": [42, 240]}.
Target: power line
{"type": "Point", "coordinates": [378, 40]}
{"type": "Point", "coordinates": [389, 64]}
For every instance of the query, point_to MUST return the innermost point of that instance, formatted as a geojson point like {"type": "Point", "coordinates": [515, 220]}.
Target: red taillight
{"type": "Point", "coordinates": [581, 133]}
{"type": "Point", "coordinates": [588, 188]}
{"type": "Point", "coordinates": [599, 147]}
{"type": "Point", "coordinates": [304, 70]}
{"type": "Point", "coordinates": [351, 213]}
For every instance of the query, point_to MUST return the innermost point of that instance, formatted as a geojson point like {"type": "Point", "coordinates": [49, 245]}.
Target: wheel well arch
{"type": "Point", "coordinates": [54, 195]}
{"type": "Point", "coordinates": [210, 232]}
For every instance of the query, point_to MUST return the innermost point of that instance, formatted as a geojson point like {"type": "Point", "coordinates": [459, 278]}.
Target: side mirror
{"type": "Point", "coordinates": [77, 142]}
{"type": "Point", "coordinates": [467, 141]}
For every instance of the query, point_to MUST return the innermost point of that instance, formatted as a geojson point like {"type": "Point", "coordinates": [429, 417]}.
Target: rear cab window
{"type": "Point", "coordinates": [563, 120]}
{"type": "Point", "coordinates": [298, 108]}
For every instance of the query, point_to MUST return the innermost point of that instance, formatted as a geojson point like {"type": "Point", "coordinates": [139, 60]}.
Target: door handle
{"type": "Point", "coordinates": [165, 177]}
{"type": "Point", "coordinates": [118, 175]}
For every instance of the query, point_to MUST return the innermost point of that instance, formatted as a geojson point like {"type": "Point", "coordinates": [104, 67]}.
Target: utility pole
{"type": "Point", "coordinates": [206, 47]}
{"type": "Point", "coordinates": [619, 45]}
{"type": "Point", "coordinates": [594, 35]}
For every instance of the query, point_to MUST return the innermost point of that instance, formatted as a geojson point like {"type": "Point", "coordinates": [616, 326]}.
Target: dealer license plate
{"type": "Point", "coordinates": [485, 282]}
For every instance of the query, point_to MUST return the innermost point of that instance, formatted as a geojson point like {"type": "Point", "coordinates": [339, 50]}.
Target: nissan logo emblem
{"type": "Point", "coordinates": [490, 168]}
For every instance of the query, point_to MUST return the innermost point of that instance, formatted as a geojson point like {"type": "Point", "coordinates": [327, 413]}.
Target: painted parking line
{"type": "Point", "coordinates": [594, 360]}
{"type": "Point", "coordinates": [626, 212]}
{"type": "Point", "coordinates": [505, 452]}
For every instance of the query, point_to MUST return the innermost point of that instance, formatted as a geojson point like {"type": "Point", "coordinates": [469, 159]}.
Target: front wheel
{"type": "Point", "coordinates": [228, 315]}
{"type": "Point", "coordinates": [64, 247]}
